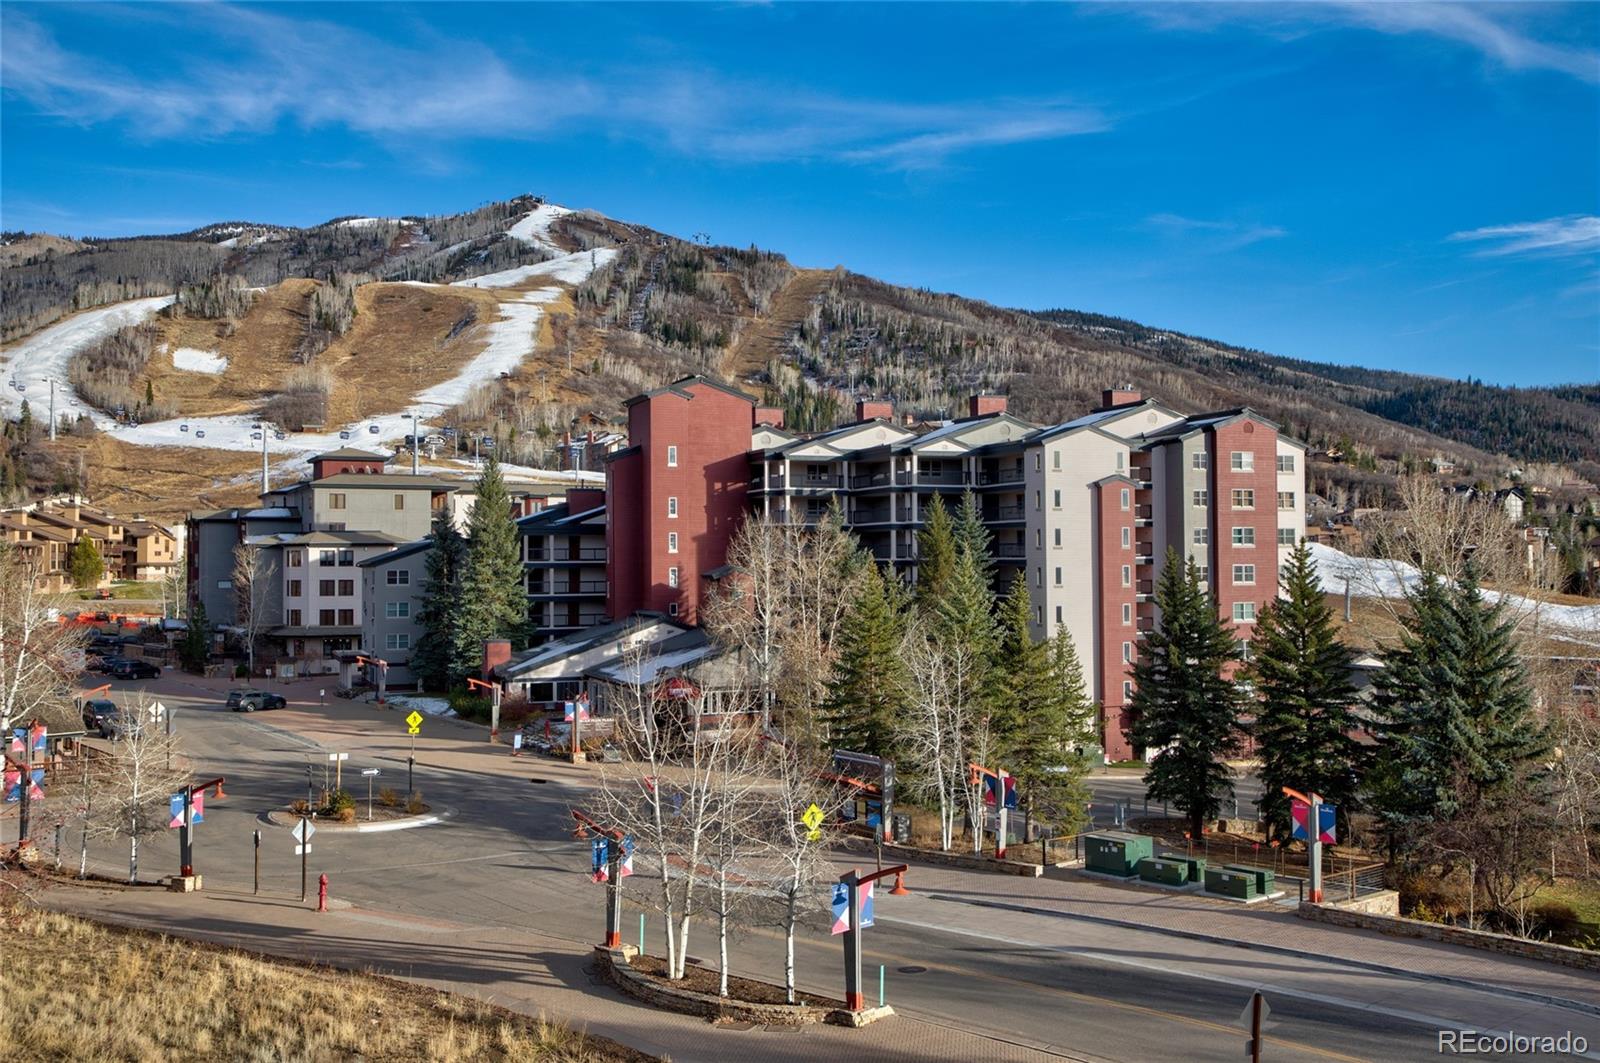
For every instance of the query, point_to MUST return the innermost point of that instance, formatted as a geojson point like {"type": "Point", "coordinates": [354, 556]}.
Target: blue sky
{"type": "Point", "coordinates": [1412, 186]}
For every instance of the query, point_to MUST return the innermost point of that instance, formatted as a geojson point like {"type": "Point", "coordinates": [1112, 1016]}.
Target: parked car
{"type": "Point", "coordinates": [130, 669]}
{"type": "Point", "coordinates": [107, 663]}
{"type": "Point", "coordinates": [100, 717]}
{"type": "Point", "coordinates": [250, 700]}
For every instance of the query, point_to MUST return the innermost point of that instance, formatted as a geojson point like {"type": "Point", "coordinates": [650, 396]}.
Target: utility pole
{"type": "Point", "coordinates": [52, 409]}
{"type": "Point", "coordinates": [416, 444]}
{"type": "Point", "coordinates": [264, 484]}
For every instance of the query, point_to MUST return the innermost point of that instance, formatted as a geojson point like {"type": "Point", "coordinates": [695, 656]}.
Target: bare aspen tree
{"type": "Point", "coordinates": [37, 667]}
{"type": "Point", "coordinates": [934, 739]}
{"type": "Point", "coordinates": [252, 596]}
{"type": "Point", "coordinates": [795, 772]}
{"type": "Point", "coordinates": [140, 779]}
{"type": "Point", "coordinates": [751, 609]}
{"type": "Point", "coordinates": [736, 841]}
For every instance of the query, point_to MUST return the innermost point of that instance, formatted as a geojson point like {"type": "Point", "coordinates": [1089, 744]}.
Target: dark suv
{"type": "Point", "coordinates": [251, 700]}
{"type": "Point", "coordinates": [125, 668]}
{"type": "Point", "coordinates": [101, 717]}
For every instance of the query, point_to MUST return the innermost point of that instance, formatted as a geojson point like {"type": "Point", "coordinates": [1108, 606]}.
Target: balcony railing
{"type": "Point", "coordinates": [871, 515]}
{"type": "Point", "coordinates": [1009, 550]}
{"type": "Point", "coordinates": [923, 478]}
{"type": "Point", "coordinates": [872, 479]}
{"type": "Point", "coordinates": [797, 516]}
{"type": "Point", "coordinates": [1007, 475]}
{"type": "Point", "coordinates": [583, 588]}
{"type": "Point", "coordinates": [566, 553]}
{"type": "Point", "coordinates": [817, 481]}
{"type": "Point", "coordinates": [1005, 513]}
{"type": "Point", "coordinates": [773, 482]}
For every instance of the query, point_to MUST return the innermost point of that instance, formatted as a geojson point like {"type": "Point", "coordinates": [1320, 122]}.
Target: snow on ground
{"type": "Point", "coordinates": [232, 241]}
{"type": "Point", "coordinates": [193, 360]}
{"type": "Point", "coordinates": [359, 223]}
{"type": "Point", "coordinates": [1374, 577]}
{"type": "Point", "coordinates": [35, 361]}
{"type": "Point", "coordinates": [426, 706]}
{"type": "Point", "coordinates": [534, 226]}
{"type": "Point", "coordinates": [571, 268]}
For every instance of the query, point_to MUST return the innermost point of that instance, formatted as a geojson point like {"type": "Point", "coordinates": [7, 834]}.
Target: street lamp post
{"type": "Point", "coordinates": [415, 444]}
{"type": "Point", "coordinates": [854, 998]}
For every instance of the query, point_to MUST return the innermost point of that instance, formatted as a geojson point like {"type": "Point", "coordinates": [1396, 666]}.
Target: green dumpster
{"type": "Point", "coordinates": [1165, 872]}
{"type": "Point", "coordinates": [1225, 882]}
{"type": "Point", "coordinates": [1116, 853]}
{"type": "Point", "coordinates": [1263, 876]}
{"type": "Point", "coordinates": [1194, 866]}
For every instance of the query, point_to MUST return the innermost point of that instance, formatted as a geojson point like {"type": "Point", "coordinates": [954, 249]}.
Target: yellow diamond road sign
{"type": "Point", "coordinates": [812, 818]}
{"type": "Point", "coordinates": [414, 721]}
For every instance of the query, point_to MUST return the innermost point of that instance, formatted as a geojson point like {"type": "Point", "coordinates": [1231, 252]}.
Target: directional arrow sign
{"type": "Point", "coordinates": [303, 830]}
{"type": "Point", "coordinates": [301, 850]}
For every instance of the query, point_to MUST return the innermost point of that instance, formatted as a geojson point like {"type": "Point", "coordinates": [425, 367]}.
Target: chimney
{"type": "Point", "coordinates": [495, 653]}
{"type": "Point", "coordinates": [867, 409]}
{"type": "Point", "coordinates": [770, 415]}
{"type": "Point", "coordinates": [1121, 395]}
{"type": "Point", "coordinates": [985, 405]}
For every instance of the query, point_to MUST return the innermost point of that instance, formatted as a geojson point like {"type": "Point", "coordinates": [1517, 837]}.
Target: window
{"type": "Point", "coordinates": [672, 457]}
{"type": "Point", "coordinates": [1055, 498]}
{"type": "Point", "coordinates": [336, 525]}
{"type": "Point", "coordinates": [326, 617]}
{"type": "Point", "coordinates": [325, 587]}
{"type": "Point", "coordinates": [347, 587]}
{"type": "Point", "coordinates": [1244, 498]}
{"type": "Point", "coordinates": [1127, 575]}
{"type": "Point", "coordinates": [397, 640]}
{"type": "Point", "coordinates": [1201, 460]}
{"type": "Point", "coordinates": [672, 576]}
{"type": "Point", "coordinates": [396, 610]}
{"type": "Point", "coordinates": [399, 501]}
{"type": "Point", "coordinates": [1202, 498]}
{"type": "Point", "coordinates": [1038, 615]}
{"type": "Point", "coordinates": [1058, 536]}
{"type": "Point", "coordinates": [296, 588]}
{"type": "Point", "coordinates": [1058, 581]}
{"type": "Point", "coordinates": [294, 618]}
{"type": "Point", "coordinates": [1038, 576]}
{"type": "Point", "coordinates": [1038, 500]}
{"type": "Point", "coordinates": [1038, 462]}
{"type": "Point", "coordinates": [1244, 612]}
{"type": "Point", "coordinates": [1055, 459]}
{"type": "Point", "coordinates": [1058, 614]}
{"type": "Point", "coordinates": [336, 500]}
{"type": "Point", "coordinates": [1038, 537]}
{"type": "Point", "coordinates": [1127, 498]}
{"type": "Point", "coordinates": [1127, 613]}
{"type": "Point", "coordinates": [672, 608]}
{"type": "Point", "coordinates": [398, 577]}
{"type": "Point", "coordinates": [1205, 573]}
{"type": "Point", "coordinates": [327, 557]}
{"type": "Point", "coordinates": [1244, 575]}
{"type": "Point", "coordinates": [347, 617]}
{"type": "Point", "coordinates": [1287, 537]}
{"type": "Point", "coordinates": [1121, 460]}
{"type": "Point", "coordinates": [1243, 646]}
{"type": "Point", "coordinates": [1285, 499]}
{"type": "Point", "coordinates": [672, 507]}
{"type": "Point", "coordinates": [1242, 461]}
{"type": "Point", "coordinates": [1127, 690]}
{"type": "Point", "coordinates": [1127, 652]}
{"type": "Point", "coordinates": [1127, 538]}
{"type": "Point", "coordinates": [1202, 536]}
{"type": "Point", "coordinates": [672, 542]}
{"type": "Point", "coordinates": [347, 558]}
{"type": "Point", "coordinates": [294, 559]}
{"type": "Point", "coordinates": [1244, 537]}
{"type": "Point", "coordinates": [1286, 463]}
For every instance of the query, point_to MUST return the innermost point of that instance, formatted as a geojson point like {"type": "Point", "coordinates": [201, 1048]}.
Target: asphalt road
{"type": "Point", "coordinates": [505, 857]}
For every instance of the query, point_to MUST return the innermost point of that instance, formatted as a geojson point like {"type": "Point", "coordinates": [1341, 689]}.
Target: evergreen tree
{"type": "Point", "coordinates": [1456, 710]}
{"type": "Point", "coordinates": [868, 694]}
{"type": "Point", "coordinates": [493, 603]}
{"type": "Point", "coordinates": [195, 648]}
{"type": "Point", "coordinates": [936, 552]}
{"type": "Point", "coordinates": [85, 564]}
{"type": "Point", "coordinates": [441, 601]}
{"type": "Point", "coordinates": [972, 536]}
{"type": "Point", "coordinates": [1186, 712]}
{"type": "Point", "coordinates": [1063, 795]}
{"type": "Point", "coordinates": [1305, 712]}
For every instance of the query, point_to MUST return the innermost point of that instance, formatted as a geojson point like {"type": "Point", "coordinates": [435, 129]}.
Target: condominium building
{"type": "Point", "coordinates": [564, 564]}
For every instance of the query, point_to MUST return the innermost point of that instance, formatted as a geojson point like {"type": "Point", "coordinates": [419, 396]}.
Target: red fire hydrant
{"type": "Point", "coordinates": [322, 892]}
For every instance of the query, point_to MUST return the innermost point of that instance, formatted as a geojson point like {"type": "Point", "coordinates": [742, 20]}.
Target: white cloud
{"type": "Point", "coordinates": [252, 69]}
{"type": "Point", "coordinates": [1215, 236]}
{"type": "Point", "coordinates": [1573, 234]}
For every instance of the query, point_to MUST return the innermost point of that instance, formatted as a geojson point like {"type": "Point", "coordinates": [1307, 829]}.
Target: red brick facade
{"type": "Point", "coordinates": [1261, 442]}
{"type": "Point", "coordinates": [1117, 599]}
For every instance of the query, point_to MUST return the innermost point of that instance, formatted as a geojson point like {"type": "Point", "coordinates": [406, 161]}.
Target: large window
{"type": "Point", "coordinates": [326, 617]}
{"type": "Point", "coordinates": [1243, 498]}
{"type": "Point", "coordinates": [398, 577]}
{"type": "Point", "coordinates": [1244, 612]}
{"type": "Point", "coordinates": [672, 576]}
{"type": "Point", "coordinates": [1286, 537]}
{"type": "Point", "coordinates": [294, 558]}
{"type": "Point", "coordinates": [347, 558]}
{"type": "Point", "coordinates": [336, 500]}
{"type": "Point", "coordinates": [296, 588]}
{"type": "Point", "coordinates": [1285, 499]}
{"type": "Point", "coordinates": [1201, 460]}
{"type": "Point", "coordinates": [1244, 575]}
{"type": "Point", "coordinates": [294, 618]}
{"type": "Point", "coordinates": [1286, 463]}
{"type": "Point", "coordinates": [347, 617]}
{"type": "Point", "coordinates": [396, 610]}
{"type": "Point", "coordinates": [1202, 498]}
{"type": "Point", "coordinates": [347, 587]}
{"type": "Point", "coordinates": [1242, 461]}
{"type": "Point", "coordinates": [1244, 537]}
{"type": "Point", "coordinates": [397, 640]}
{"type": "Point", "coordinates": [1202, 536]}
{"type": "Point", "coordinates": [325, 587]}
{"type": "Point", "coordinates": [327, 557]}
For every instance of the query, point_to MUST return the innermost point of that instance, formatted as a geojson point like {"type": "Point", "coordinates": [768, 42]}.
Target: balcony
{"type": "Point", "coordinates": [1010, 474]}
{"type": "Point", "coordinates": [589, 588]}
{"type": "Point", "coordinates": [871, 515]}
{"type": "Point", "coordinates": [1143, 516]}
{"type": "Point", "coordinates": [797, 516]}
{"type": "Point", "coordinates": [1004, 513]}
{"type": "Point", "coordinates": [773, 482]}
{"type": "Point", "coordinates": [1009, 551]}
{"type": "Point", "coordinates": [923, 478]}
{"type": "Point", "coordinates": [1144, 590]}
{"type": "Point", "coordinates": [817, 481]}
{"type": "Point", "coordinates": [872, 479]}
{"type": "Point", "coordinates": [567, 553]}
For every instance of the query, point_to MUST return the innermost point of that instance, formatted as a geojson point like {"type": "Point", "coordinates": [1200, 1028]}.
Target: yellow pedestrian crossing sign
{"type": "Point", "coordinates": [414, 722]}
{"type": "Point", "coordinates": [812, 818]}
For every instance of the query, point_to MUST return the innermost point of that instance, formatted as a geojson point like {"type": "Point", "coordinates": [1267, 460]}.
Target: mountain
{"type": "Point", "coordinates": [512, 319]}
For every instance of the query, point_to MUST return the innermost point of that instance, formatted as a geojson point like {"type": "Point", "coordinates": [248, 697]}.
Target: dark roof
{"type": "Point", "coordinates": [398, 553]}
{"type": "Point", "coordinates": [376, 479]}
{"type": "Point", "coordinates": [558, 516]}
{"type": "Point", "coordinates": [349, 454]}
{"type": "Point", "coordinates": [1202, 421]}
{"type": "Point", "coordinates": [343, 538]}
{"type": "Point", "coordinates": [682, 384]}
{"type": "Point", "coordinates": [314, 632]}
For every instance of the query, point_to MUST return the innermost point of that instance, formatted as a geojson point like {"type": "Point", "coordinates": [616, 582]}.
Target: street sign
{"type": "Point", "coordinates": [841, 908]}
{"type": "Point", "coordinates": [301, 850]}
{"type": "Point", "coordinates": [812, 817]}
{"type": "Point", "coordinates": [1244, 1016]}
{"type": "Point", "coordinates": [414, 722]}
{"type": "Point", "coordinates": [302, 831]}
{"type": "Point", "coordinates": [334, 757]}
{"type": "Point", "coordinates": [1300, 812]}
{"type": "Point", "coordinates": [370, 771]}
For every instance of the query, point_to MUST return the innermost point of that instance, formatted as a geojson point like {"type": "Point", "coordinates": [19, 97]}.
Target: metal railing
{"type": "Point", "coordinates": [1002, 476]}
{"type": "Point", "coordinates": [1009, 550]}
{"type": "Point", "coordinates": [1006, 513]}
{"type": "Point", "coordinates": [563, 553]}
{"type": "Point", "coordinates": [872, 479]}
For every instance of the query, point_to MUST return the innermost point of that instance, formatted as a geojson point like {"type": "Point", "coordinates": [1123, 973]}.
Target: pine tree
{"type": "Point", "coordinates": [85, 564]}
{"type": "Point", "coordinates": [1455, 707]}
{"type": "Point", "coordinates": [1305, 712]}
{"type": "Point", "coordinates": [972, 536]}
{"type": "Point", "coordinates": [936, 552]}
{"type": "Point", "coordinates": [1186, 712]}
{"type": "Point", "coordinates": [441, 601]}
{"type": "Point", "coordinates": [868, 695]}
{"type": "Point", "coordinates": [195, 648]}
{"type": "Point", "coordinates": [493, 603]}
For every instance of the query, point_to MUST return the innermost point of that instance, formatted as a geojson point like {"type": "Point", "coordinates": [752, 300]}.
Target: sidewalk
{"type": "Point", "coordinates": [522, 970]}
{"type": "Point", "coordinates": [1064, 895]}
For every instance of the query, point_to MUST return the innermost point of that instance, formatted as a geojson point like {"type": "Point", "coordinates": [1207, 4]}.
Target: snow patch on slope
{"type": "Point", "coordinates": [193, 360]}
{"type": "Point", "coordinates": [534, 226]}
{"type": "Point", "coordinates": [44, 356]}
{"type": "Point", "coordinates": [571, 268]}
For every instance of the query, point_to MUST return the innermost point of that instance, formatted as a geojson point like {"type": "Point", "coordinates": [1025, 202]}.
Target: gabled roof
{"type": "Point", "coordinates": [1102, 417]}
{"type": "Point", "coordinates": [397, 554]}
{"type": "Point", "coordinates": [957, 428]}
{"type": "Point", "coordinates": [349, 454]}
{"type": "Point", "coordinates": [559, 517]}
{"type": "Point", "coordinates": [680, 387]}
{"type": "Point", "coordinates": [344, 538]}
{"type": "Point", "coordinates": [1201, 422]}
{"type": "Point", "coordinates": [589, 638]}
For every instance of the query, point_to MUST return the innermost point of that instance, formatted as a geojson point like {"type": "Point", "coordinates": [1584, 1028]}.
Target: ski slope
{"type": "Point", "coordinates": [509, 339]}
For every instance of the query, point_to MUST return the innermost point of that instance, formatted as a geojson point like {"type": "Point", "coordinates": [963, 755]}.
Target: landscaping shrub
{"type": "Point", "coordinates": [387, 797]}
{"type": "Point", "coordinates": [414, 803]}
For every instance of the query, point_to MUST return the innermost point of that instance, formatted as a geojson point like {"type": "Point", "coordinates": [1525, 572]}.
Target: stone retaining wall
{"type": "Point", "coordinates": [655, 993]}
{"type": "Point", "coordinates": [1564, 955]}
{"type": "Point", "coordinates": [966, 860]}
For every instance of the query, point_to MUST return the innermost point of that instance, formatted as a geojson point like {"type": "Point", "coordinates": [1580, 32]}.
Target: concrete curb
{"type": "Point", "coordinates": [1281, 950]}
{"type": "Point", "coordinates": [428, 819]}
